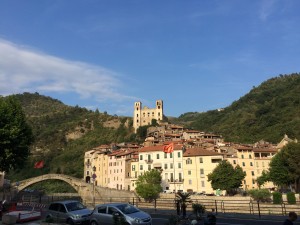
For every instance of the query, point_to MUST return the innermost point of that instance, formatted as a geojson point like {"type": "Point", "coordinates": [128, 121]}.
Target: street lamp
{"type": "Point", "coordinates": [94, 178]}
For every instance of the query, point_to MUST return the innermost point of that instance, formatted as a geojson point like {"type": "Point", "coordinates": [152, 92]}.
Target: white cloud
{"type": "Point", "coordinates": [23, 69]}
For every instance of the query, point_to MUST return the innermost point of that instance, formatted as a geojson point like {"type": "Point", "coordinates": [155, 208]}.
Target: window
{"type": "Point", "coordinates": [242, 156]}
{"type": "Point", "coordinates": [251, 163]}
{"type": "Point", "coordinates": [166, 166]}
{"type": "Point", "coordinates": [102, 209]}
{"type": "Point", "coordinates": [250, 156]}
{"type": "Point", "coordinates": [234, 162]}
{"type": "Point", "coordinates": [172, 177]}
{"type": "Point", "coordinates": [171, 155]}
{"type": "Point", "coordinates": [141, 167]}
{"type": "Point", "coordinates": [171, 165]}
{"type": "Point", "coordinates": [180, 177]}
{"type": "Point", "coordinates": [149, 157]}
{"type": "Point", "coordinates": [157, 156]}
{"type": "Point", "coordinates": [188, 161]}
{"type": "Point", "coordinates": [252, 173]}
{"type": "Point", "coordinates": [190, 181]}
{"type": "Point", "coordinates": [243, 163]}
{"type": "Point", "coordinates": [216, 160]}
{"type": "Point", "coordinates": [189, 172]}
{"type": "Point", "coordinates": [141, 157]}
{"type": "Point", "coordinates": [133, 168]}
{"type": "Point", "coordinates": [149, 167]}
{"type": "Point", "coordinates": [165, 155]}
{"type": "Point", "coordinates": [201, 160]}
{"type": "Point", "coordinates": [178, 154]}
{"type": "Point", "coordinates": [201, 171]}
{"type": "Point", "coordinates": [179, 165]}
{"type": "Point", "coordinates": [112, 210]}
{"type": "Point", "coordinates": [202, 183]}
{"type": "Point", "coordinates": [256, 164]}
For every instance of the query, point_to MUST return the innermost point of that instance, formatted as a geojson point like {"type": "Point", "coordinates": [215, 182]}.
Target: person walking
{"type": "Point", "coordinates": [291, 219]}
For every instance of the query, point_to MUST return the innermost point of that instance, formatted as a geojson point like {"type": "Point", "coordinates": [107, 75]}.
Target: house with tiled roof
{"type": "Point", "coordinates": [170, 165]}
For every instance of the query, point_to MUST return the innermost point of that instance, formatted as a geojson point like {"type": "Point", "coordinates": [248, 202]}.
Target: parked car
{"type": "Point", "coordinates": [69, 211]}
{"type": "Point", "coordinates": [105, 214]}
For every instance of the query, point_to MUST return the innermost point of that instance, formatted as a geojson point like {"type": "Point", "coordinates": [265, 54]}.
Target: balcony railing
{"type": "Point", "coordinates": [148, 161]}
{"type": "Point", "coordinates": [176, 180]}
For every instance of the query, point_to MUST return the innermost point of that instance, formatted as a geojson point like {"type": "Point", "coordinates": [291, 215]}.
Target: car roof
{"type": "Point", "coordinates": [64, 201]}
{"type": "Point", "coordinates": [112, 204]}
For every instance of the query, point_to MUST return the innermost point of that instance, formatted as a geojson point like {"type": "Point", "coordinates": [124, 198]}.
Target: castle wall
{"type": "Point", "coordinates": [144, 116]}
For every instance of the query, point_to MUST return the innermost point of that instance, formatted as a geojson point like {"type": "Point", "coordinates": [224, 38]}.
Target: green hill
{"type": "Point", "coordinates": [267, 112]}
{"type": "Point", "coordinates": [63, 133]}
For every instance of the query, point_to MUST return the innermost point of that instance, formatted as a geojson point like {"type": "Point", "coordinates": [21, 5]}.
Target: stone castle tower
{"type": "Point", "coordinates": [142, 117]}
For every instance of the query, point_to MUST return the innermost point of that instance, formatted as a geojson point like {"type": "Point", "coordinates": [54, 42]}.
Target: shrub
{"type": "Point", "coordinates": [291, 199]}
{"type": "Point", "coordinates": [198, 208]}
{"type": "Point", "coordinates": [277, 197]}
{"type": "Point", "coordinates": [262, 195]}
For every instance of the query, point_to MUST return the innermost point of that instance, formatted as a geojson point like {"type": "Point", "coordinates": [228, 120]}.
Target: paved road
{"type": "Point", "coordinates": [226, 219]}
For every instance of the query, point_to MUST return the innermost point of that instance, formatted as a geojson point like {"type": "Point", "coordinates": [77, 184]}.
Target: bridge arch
{"type": "Point", "coordinates": [86, 190]}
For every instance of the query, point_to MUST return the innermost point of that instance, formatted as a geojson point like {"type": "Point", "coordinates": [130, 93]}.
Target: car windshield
{"type": "Point", "coordinates": [127, 209]}
{"type": "Point", "coordinates": [73, 206]}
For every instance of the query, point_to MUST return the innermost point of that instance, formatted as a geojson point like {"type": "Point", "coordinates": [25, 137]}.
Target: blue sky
{"type": "Point", "coordinates": [195, 55]}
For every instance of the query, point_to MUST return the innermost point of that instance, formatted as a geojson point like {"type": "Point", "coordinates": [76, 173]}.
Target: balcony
{"type": "Point", "coordinates": [149, 161]}
{"type": "Point", "coordinates": [176, 181]}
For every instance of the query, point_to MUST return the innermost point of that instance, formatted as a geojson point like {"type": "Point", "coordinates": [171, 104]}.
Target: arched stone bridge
{"type": "Point", "coordinates": [85, 190]}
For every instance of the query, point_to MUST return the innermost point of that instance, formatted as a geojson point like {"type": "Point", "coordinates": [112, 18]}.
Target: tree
{"type": "Point", "coordinates": [285, 166]}
{"type": "Point", "coordinates": [226, 177]}
{"type": "Point", "coordinates": [148, 185]}
{"type": "Point", "coordinates": [183, 199]}
{"type": "Point", "coordinates": [15, 135]}
{"type": "Point", "coordinates": [141, 132]}
{"type": "Point", "coordinates": [263, 178]}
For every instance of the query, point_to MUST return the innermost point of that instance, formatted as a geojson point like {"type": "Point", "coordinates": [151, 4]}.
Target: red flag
{"type": "Point", "coordinates": [169, 148]}
{"type": "Point", "coordinates": [39, 164]}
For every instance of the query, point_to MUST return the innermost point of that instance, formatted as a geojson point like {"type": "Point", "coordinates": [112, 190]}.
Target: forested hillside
{"type": "Point", "coordinates": [267, 112]}
{"type": "Point", "coordinates": [52, 121]}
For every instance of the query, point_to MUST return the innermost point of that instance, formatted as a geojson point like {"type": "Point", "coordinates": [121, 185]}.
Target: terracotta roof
{"type": "Point", "coordinates": [199, 152]}
{"type": "Point", "coordinates": [157, 148]}
{"type": "Point", "coordinates": [242, 147]}
{"type": "Point", "coordinates": [192, 131]}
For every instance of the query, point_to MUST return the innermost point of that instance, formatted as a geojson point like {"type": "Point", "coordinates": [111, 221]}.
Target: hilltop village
{"type": "Point", "coordinates": [194, 155]}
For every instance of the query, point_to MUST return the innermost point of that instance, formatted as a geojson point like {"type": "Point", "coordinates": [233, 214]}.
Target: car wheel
{"type": "Point", "coordinates": [94, 223]}
{"type": "Point", "coordinates": [70, 221]}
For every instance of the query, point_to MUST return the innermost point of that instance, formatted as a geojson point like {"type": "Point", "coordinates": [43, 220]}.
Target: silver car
{"type": "Point", "coordinates": [106, 214]}
{"type": "Point", "coordinates": [69, 211]}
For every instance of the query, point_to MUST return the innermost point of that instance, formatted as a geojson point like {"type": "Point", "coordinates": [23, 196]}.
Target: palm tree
{"type": "Point", "coordinates": [183, 199]}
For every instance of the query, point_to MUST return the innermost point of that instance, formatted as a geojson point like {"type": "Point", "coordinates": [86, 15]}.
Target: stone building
{"type": "Point", "coordinates": [144, 116]}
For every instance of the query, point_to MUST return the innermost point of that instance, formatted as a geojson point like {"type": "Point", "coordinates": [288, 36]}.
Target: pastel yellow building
{"type": "Point", "coordinates": [144, 116]}
{"type": "Point", "coordinates": [254, 161]}
{"type": "Point", "coordinates": [96, 167]}
{"type": "Point", "coordinates": [170, 165]}
{"type": "Point", "coordinates": [198, 163]}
